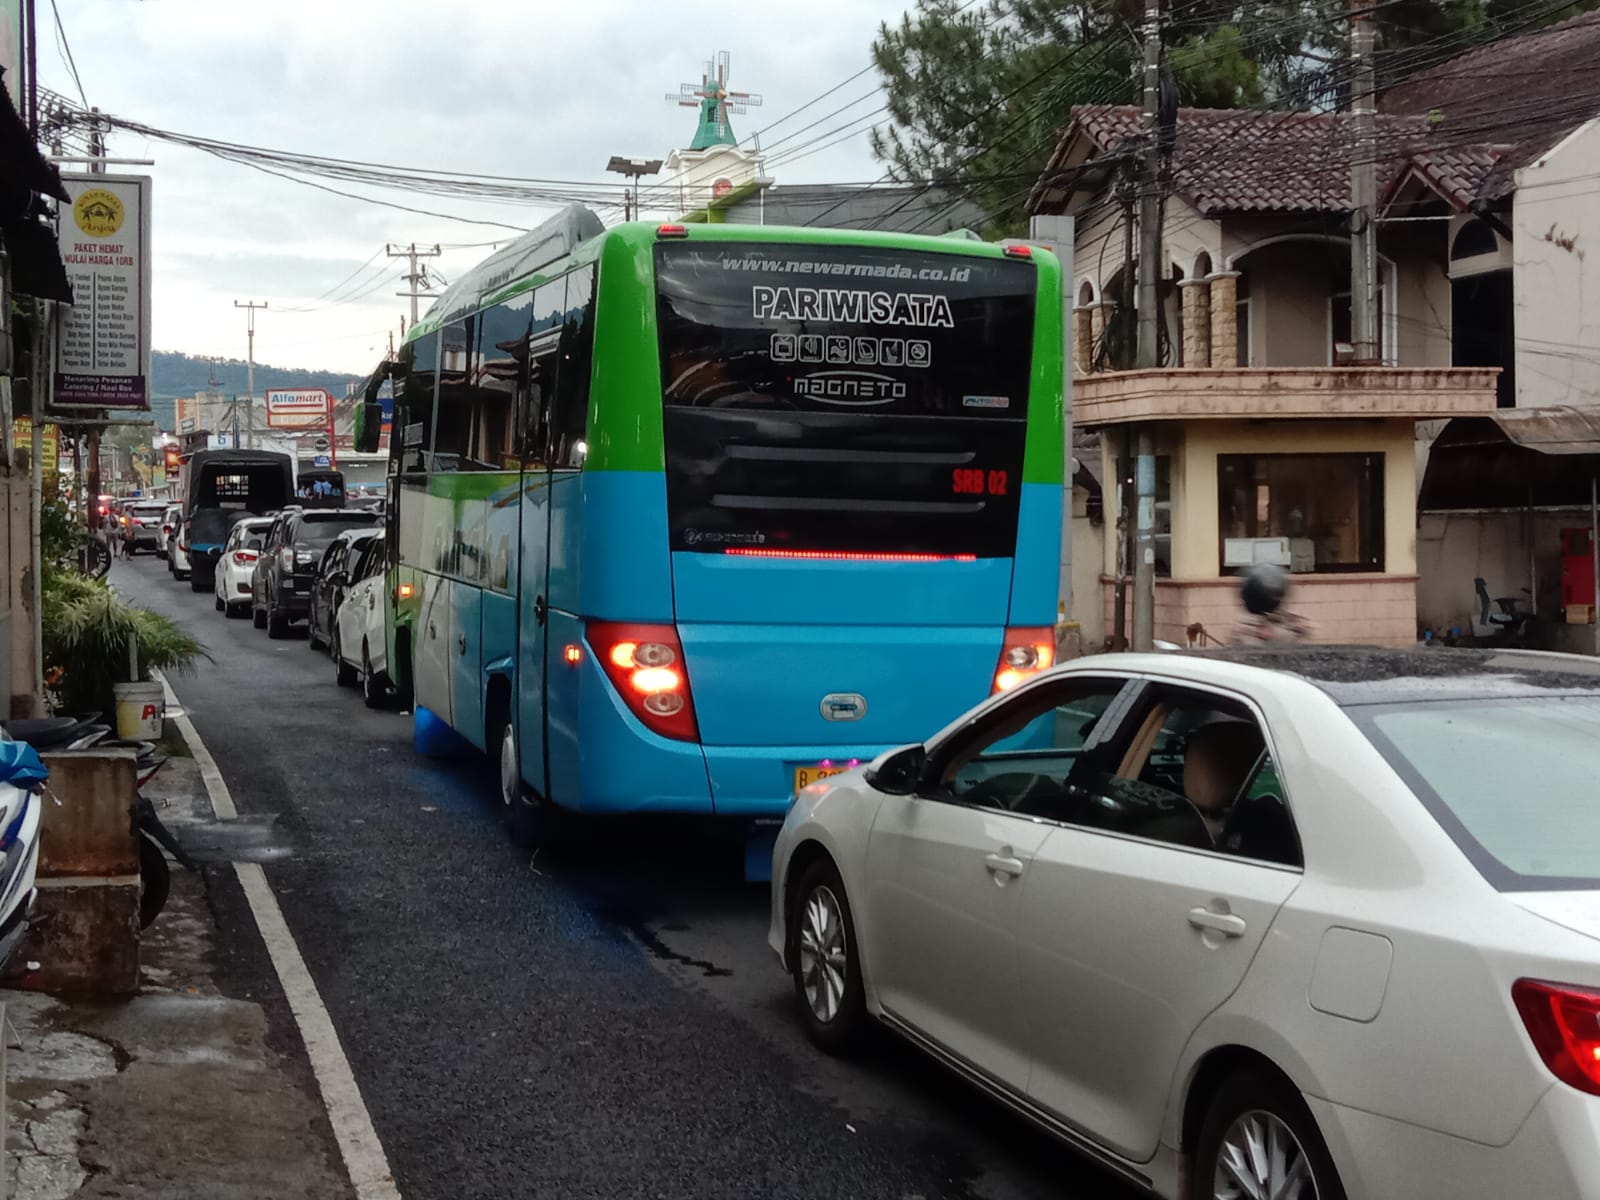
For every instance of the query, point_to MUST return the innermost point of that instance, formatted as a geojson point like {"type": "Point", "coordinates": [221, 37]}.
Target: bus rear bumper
{"type": "Point", "coordinates": [626, 768]}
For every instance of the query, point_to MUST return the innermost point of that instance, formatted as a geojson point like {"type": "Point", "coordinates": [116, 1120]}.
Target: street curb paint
{"type": "Point", "coordinates": [364, 1160]}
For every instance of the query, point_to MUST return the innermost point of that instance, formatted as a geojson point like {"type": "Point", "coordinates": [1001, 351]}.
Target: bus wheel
{"type": "Point", "coordinates": [527, 816]}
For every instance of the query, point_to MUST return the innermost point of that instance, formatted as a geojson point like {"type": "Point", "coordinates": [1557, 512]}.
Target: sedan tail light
{"type": "Point", "coordinates": [245, 557]}
{"type": "Point", "coordinates": [286, 557]}
{"type": "Point", "coordinates": [645, 664]}
{"type": "Point", "coordinates": [1564, 1023]}
{"type": "Point", "coordinates": [1025, 653]}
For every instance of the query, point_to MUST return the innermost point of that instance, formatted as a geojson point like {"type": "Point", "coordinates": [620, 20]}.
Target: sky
{"type": "Point", "coordinates": [532, 88]}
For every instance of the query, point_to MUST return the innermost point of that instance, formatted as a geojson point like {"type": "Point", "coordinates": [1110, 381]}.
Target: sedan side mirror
{"type": "Point", "coordinates": [901, 772]}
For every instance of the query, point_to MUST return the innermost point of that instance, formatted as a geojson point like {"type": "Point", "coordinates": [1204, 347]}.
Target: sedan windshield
{"type": "Point", "coordinates": [1511, 780]}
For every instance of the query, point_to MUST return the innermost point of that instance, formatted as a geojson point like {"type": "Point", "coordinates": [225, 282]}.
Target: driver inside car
{"type": "Point", "coordinates": [1217, 761]}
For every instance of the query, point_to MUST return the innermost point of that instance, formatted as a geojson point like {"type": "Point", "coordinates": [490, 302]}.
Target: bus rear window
{"type": "Point", "coordinates": [843, 398]}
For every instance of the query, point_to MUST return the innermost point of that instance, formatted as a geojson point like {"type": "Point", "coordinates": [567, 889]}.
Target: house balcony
{"type": "Point", "coordinates": [1282, 394]}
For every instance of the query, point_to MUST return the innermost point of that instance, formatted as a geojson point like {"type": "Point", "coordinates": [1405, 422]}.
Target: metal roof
{"type": "Point", "coordinates": [1514, 458]}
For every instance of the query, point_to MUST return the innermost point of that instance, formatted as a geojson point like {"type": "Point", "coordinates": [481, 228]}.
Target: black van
{"type": "Point", "coordinates": [221, 487]}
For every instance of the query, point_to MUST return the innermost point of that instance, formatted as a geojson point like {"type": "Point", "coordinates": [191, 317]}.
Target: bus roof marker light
{"type": "Point", "coordinates": [672, 231]}
{"type": "Point", "coordinates": [1018, 250]}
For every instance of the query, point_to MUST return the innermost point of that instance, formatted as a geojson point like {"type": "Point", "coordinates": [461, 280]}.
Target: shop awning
{"type": "Point", "coordinates": [25, 175]}
{"type": "Point", "coordinates": [1516, 458]}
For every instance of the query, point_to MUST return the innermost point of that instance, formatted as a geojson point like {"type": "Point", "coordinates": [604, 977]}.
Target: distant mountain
{"type": "Point", "coordinates": [173, 375]}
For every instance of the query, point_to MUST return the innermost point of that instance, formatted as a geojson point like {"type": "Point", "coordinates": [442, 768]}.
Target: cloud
{"type": "Point", "coordinates": [528, 88]}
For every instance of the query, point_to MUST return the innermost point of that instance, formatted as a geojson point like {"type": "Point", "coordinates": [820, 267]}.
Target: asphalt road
{"type": "Point", "coordinates": [607, 1022]}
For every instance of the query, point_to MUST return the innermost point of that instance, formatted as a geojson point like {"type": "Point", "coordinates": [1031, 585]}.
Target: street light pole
{"type": "Point", "coordinates": [250, 307]}
{"type": "Point", "coordinates": [633, 169]}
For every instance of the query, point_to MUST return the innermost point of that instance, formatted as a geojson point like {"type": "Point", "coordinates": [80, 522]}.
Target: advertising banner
{"type": "Point", "coordinates": [103, 340]}
{"type": "Point", "coordinates": [298, 408]}
{"type": "Point", "coordinates": [22, 439]}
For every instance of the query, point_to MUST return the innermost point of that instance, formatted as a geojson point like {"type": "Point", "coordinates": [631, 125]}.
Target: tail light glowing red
{"type": "Point", "coordinates": [1564, 1023]}
{"type": "Point", "coordinates": [645, 664]}
{"type": "Point", "coordinates": [244, 557]}
{"type": "Point", "coordinates": [1025, 653]}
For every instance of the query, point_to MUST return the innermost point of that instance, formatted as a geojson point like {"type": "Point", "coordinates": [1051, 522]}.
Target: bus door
{"type": "Point", "coordinates": [533, 559]}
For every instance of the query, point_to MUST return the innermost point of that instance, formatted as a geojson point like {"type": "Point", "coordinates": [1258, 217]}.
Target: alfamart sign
{"type": "Point", "coordinates": [103, 339]}
{"type": "Point", "coordinates": [298, 408]}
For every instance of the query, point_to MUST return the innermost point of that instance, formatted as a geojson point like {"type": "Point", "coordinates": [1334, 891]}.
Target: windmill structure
{"type": "Point", "coordinates": [712, 97]}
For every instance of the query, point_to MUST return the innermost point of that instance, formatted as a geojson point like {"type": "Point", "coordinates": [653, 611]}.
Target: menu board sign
{"type": "Point", "coordinates": [103, 340]}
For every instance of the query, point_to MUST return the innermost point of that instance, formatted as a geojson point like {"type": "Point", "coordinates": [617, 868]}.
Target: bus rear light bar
{"type": "Point", "coordinates": [847, 555]}
{"type": "Point", "coordinates": [1018, 250]}
{"type": "Point", "coordinates": [672, 231]}
{"type": "Point", "coordinates": [1025, 652]}
{"type": "Point", "coordinates": [645, 664]}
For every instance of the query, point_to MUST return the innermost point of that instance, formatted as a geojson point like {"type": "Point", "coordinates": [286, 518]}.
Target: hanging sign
{"type": "Point", "coordinates": [103, 339]}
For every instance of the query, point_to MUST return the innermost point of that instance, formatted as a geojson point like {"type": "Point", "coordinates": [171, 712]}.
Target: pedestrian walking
{"type": "Point", "coordinates": [1266, 622]}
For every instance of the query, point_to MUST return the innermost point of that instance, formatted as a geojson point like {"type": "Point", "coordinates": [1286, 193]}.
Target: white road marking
{"type": "Point", "coordinates": [364, 1160]}
{"type": "Point", "coordinates": [216, 786]}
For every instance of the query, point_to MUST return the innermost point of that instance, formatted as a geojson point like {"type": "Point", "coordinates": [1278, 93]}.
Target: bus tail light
{"type": "Point", "coordinates": [1025, 652]}
{"type": "Point", "coordinates": [645, 664]}
{"type": "Point", "coordinates": [672, 231]}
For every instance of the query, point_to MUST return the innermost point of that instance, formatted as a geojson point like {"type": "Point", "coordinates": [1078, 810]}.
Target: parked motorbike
{"type": "Point", "coordinates": [80, 733]}
{"type": "Point", "coordinates": [22, 779]}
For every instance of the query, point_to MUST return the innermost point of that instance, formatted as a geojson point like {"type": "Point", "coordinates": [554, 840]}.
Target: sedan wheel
{"type": "Point", "coordinates": [373, 693]}
{"type": "Point", "coordinates": [1259, 1142]}
{"type": "Point", "coordinates": [344, 673]}
{"type": "Point", "coordinates": [824, 963]}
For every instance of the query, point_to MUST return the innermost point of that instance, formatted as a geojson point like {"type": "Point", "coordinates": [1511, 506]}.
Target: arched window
{"type": "Point", "coordinates": [1202, 265]}
{"type": "Point", "coordinates": [1085, 294]}
{"type": "Point", "coordinates": [1473, 239]}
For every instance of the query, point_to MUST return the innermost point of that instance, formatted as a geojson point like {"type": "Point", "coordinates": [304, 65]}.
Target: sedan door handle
{"type": "Point", "coordinates": [1003, 864]}
{"type": "Point", "coordinates": [1227, 924]}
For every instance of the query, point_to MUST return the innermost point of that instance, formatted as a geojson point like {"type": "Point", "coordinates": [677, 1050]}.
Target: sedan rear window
{"type": "Point", "coordinates": [319, 529]}
{"type": "Point", "coordinates": [1511, 780]}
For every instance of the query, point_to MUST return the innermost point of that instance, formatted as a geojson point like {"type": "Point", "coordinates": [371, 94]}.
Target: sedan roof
{"type": "Point", "coordinates": [1354, 675]}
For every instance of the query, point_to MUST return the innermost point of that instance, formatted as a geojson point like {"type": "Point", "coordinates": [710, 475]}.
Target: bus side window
{"type": "Point", "coordinates": [454, 420]}
{"type": "Point", "coordinates": [569, 413]}
{"type": "Point", "coordinates": [413, 405]}
{"type": "Point", "coordinates": [548, 302]}
{"type": "Point", "coordinates": [502, 367]}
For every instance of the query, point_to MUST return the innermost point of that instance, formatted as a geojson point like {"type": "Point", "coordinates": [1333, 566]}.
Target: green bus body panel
{"type": "Point", "coordinates": [626, 389]}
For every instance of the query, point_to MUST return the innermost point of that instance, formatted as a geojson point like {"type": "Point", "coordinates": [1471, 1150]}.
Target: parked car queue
{"type": "Point", "coordinates": [324, 567]}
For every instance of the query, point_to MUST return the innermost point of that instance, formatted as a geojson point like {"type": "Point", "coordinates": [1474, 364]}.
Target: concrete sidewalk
{"type": "Point", "coordinates": [196, 1087]}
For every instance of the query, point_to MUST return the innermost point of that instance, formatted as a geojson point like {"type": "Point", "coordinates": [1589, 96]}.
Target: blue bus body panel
{"type": "Point", "coordinates": [466, 663]}
{"type": "Point", "coordinates": [627, 566]}
{"type": "Point", "coordinates": [1037, 579]}
{"type": "Point", "coordinates": [624, 767]}
{"type": "Point", "coordinates": [564, 628]}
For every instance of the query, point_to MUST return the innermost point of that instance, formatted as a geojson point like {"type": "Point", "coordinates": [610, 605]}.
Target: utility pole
{"type": "Point", "coordinates": [417, 277]}
{"type": "Point", "coordinates": [1363, 189]}
{"type": "Point", "coordinates": [1149, 347]}
{"type": "Point", "coordinates": [250, 307]}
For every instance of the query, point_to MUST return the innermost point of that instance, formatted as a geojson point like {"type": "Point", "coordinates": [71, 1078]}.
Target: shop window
{"type": "Point", "coordinates": [1328, 508]}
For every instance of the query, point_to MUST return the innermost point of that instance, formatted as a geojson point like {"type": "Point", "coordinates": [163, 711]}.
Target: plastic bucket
{"type": "Point", "coordinates": [140, 707]}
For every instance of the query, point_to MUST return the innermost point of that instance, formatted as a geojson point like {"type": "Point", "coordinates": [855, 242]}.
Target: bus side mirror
{"type": "Point", "coordinates": [369, 425]}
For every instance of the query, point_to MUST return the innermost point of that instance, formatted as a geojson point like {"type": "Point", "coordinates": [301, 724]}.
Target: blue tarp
{"type": "Point", "coordinates": [20, 765]}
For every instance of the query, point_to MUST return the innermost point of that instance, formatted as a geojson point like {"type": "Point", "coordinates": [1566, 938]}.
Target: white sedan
{"type": "Point", "coordinates": [1290, 924]}
{"type": "Point", "coordinates": [237, 564]}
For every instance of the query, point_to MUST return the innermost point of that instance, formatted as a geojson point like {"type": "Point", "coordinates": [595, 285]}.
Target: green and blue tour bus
{"type": "Point", "coordinates": [684, 517]}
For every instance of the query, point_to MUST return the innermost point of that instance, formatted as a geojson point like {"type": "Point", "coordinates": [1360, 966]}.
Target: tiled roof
{"type": "Point", "coordinates": [1533, 72]}
{"type": "Point", "coordinates": [1241, 160]}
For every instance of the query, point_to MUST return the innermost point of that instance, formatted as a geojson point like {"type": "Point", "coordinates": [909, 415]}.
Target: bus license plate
{"type": "Point", "coordinates": [805, 776]}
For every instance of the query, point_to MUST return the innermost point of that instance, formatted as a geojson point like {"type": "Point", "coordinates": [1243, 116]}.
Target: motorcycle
{"type": "Point", "coordinates": [22, 780]}
{"type": "Point", "coordinates": [81, 733]}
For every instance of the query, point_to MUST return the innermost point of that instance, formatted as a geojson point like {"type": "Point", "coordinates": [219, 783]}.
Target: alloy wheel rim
{"type": "Point", "coordinates": [823, 954]}
{"type": "Point", "coordinates": [508, 768]}
{"type": "Point", "coordinates": [1261, 1159]}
